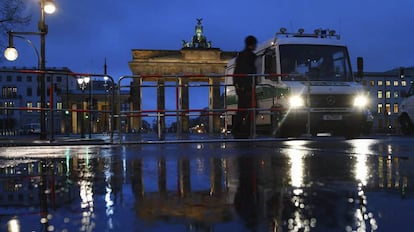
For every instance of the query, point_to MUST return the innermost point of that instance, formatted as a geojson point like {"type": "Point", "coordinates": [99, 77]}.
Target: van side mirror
{"type": "Point", "coordinates": [360, 67]}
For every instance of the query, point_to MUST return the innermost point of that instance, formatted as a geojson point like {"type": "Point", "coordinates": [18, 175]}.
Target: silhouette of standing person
{"type": "Point", "coordinates": [245, 64]}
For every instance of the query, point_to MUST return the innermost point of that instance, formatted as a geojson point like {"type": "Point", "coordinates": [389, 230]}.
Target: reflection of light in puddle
{"type": "Point", "coordinates": [86, 194]}
{"type": "Point", "coordinates": [109, 204]}
{"type": "Point", "coordinates": [298, 220]}
{"type": "Point", "coordinates": [296, 156]}
{"type": "Point", "coordinates": [364, 220]}
{"type": "Point", "coordinates": [361, 169]}
{"type": "Point", "coordinates": [296, 169]}
{"type": "Point", "coordinates": [362, 150]}
{"type": "Point", "coordinates": [362, 146]}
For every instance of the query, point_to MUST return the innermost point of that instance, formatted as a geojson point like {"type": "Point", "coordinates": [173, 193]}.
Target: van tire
{"type": "Point", "coordinates": [286, 132]}
{"type": "Point", "coordinates": [352, 134]}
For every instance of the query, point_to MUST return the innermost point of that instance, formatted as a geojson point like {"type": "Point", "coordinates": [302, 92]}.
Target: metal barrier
{"type": "Point", "coordinates": [75, 116]}
{"type": "Point", "coordinates": [179, 83]}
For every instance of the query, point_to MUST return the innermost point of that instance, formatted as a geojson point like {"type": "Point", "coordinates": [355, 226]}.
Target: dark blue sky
{"type": "Point", "coordinates": [82, 33]}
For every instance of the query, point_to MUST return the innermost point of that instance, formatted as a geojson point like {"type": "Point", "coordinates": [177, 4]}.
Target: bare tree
{"type": "Point", "coordinates": [12, 14]}
{"type": "Point", "coordinates": [12, 17]}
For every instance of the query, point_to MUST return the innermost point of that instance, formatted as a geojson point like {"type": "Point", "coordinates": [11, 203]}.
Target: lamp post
{"type": "Point", "coordinates": [83, 83]}
{"type": "Point", "coordinates": [106, 86]}
{"type": "Point", "coordinates": [46, 7]}
{"type": "Point", "coordinates": [106, 102]}
{"type": "Point", "coordinates": [90, 106]}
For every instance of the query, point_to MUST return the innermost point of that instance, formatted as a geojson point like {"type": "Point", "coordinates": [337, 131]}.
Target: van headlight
{"type": "Point", "coordinates": [360, 101]}
{"type": "Point", "coordinates": [296, 101]}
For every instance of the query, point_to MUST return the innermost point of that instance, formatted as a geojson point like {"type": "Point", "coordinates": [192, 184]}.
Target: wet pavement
{"type": "Point", "coordinates": [317, 184]}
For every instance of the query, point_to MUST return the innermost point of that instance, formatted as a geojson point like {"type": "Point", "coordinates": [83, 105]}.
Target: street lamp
{"type": "Point", "coordinates": [11, 54]}
{"type": "Point", "coordinates": [49, 6]}
{"type": "Point", "coordinates": [83, 83]}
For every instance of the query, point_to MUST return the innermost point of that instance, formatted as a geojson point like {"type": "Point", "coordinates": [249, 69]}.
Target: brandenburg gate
{"type": "Point", "coordinates": [195, 59]}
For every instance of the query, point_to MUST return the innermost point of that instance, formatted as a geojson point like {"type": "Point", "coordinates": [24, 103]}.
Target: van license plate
{"type": "Point", "coordinates": [330, 117]}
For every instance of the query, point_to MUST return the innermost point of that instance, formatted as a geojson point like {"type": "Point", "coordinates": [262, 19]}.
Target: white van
{"type": "Point", "coordinates": [312, 89]}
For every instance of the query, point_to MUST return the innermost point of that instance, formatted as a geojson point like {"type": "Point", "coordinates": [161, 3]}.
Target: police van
{"type": "Point", "coordinates": [304, 85]}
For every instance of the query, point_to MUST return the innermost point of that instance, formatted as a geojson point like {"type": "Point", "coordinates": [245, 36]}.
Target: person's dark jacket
{"type": "Point", "coordinates": [245, 64]}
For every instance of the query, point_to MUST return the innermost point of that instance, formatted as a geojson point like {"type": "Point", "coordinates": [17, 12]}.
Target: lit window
{"type": "Point", "coordinates": [379, 83]}
{"type": "Point", "coordinates": [11, 105]}
{"type": "Point", "coordinates": [9, 92]}
{"type": "Point", "coordinates": [388, 94]}
{"type": "Point", "coordinates": [379, 108]}
{"type": "Point", "coordinates": [388, 108]}
{"type": "Point", "coordinates": [379, 94]}
{"type": "Point", "coordinates": [396, 94]}
{"type": "Point", "coordinates": [403, 83]}
{"type": "Point", "coordinates": [395, 108]}
{"type": "Point", "coordinates": [372, 83]}
{"type": "Point", "coordinates": [387, 83]}
{"type": "Point", "coordinates": [59, 105]}
{"type": "Point", "coordinates": [39, 105]}
{"type": "Point", "coordinates": [29, 105]}
{"type": "Point", "coordinates": [395, 83]}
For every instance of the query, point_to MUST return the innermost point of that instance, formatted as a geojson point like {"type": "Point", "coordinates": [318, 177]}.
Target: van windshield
{"type": "Point", "coordinates": [316, 62]}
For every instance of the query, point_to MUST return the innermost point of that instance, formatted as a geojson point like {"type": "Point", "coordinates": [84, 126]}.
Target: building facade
{"type": "Point", "coordinates": [385, 89]}
{"type": "Point", "coordinates": [68, 108]}
{"type": "Point", "coordinates": [90, 109]}
{"type": "Point", "coordinates": [20, 98]}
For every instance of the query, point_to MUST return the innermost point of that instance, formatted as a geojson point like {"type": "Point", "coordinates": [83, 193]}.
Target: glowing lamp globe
{"type": "Point", "coordinates": [11, 53]}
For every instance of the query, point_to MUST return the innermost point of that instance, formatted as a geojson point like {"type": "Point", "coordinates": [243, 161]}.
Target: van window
{"type": "Point", "coordinates": [270, 64]}
{"type": "Point", "coordinates": [317, 62]}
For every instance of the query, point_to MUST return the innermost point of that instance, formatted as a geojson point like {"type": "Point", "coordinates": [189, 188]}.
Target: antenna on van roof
{"type": "Point", "coordinates": [317, 33]}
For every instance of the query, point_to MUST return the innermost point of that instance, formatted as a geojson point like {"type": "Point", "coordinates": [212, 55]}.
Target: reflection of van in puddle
{"type": "Point", "coordinates": [31, 128]}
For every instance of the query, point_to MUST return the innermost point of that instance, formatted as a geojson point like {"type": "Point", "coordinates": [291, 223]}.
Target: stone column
{"type": "Point", "coordinates": [214, 104]}
{"type": "Point", "coordinates": [136, 103]}
{"type": "Point", "coordinates": [161, 109]}
{"type": "Point", "coordinates": [184, 105]}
